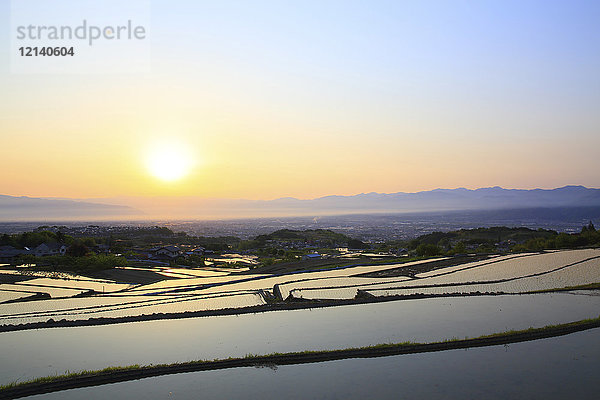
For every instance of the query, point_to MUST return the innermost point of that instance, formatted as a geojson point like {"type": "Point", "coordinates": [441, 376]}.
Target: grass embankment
{"type": "Point", "coordinates": [121, 374]}
{"type": "Point", "coordinates": [589, 286]}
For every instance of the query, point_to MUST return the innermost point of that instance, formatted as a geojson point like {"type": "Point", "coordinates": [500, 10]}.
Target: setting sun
{"type": "Point", "coordinates": [168, 161]}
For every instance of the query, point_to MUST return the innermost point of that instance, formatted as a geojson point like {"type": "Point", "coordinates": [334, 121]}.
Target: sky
{"type": "Point", "coordinates": [269, 99]}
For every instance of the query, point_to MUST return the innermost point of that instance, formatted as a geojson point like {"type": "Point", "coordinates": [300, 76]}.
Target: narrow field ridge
{"type": "Point", "coordinates": [122, 374]}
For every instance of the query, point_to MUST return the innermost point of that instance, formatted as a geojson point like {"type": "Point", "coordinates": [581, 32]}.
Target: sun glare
{"type": "Point", "coordinates": [168, 161]}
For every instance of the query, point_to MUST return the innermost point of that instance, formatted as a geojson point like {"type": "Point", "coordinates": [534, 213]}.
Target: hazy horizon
{"type": "Point", "coordinates": [109, 198]}
{"type": "Point", "coordinates": [194, 207]}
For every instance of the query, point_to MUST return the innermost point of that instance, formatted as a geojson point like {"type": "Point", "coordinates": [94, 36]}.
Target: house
{"type": "Point", "coordinates": [400, 252]}
{"type": "Point", "coordinates": [198, 251]}
{"type": "Point", "coordinates": [50, 249]}
{"type": "Point", "coordinates": [101, 249]}
{"type": "Point", "coordinates": [9, 253]}
{"type": "Point", "coordinates": [166, 253]}
{"type": "Point", "coordinates": [141, 254]}
{"type": "Point", "coordinates": [312, 256]}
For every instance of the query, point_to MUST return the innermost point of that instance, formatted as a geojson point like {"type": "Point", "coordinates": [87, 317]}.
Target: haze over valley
{"type": "Point", "coordinates": [140, 208]}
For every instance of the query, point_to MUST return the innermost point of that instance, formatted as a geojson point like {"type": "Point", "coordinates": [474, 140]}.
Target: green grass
{"type": "Point", "coordinates": [272, 357]}
{"type": "Point", "coordinates": [578, 287]}
{"type": "Point", "coordinates": [545, 328]}
{"type": "Point", "coordinates": [70, 375]}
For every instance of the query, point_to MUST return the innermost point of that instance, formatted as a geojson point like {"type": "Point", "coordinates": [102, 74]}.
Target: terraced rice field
{"type": "Point", "coordinates": [19, 270]}
{"type": "Point", "coordinates": [208, 289]}
{"type": "Point", "coordinates": [333, 283]}
{"type": "Point", "coordinates": [54, 292]}
{"type": "Point", "coordinates": [508, 274]}
{"type": "Point", "coordinates": [46, 308]}
{"type": "Point", "coordinates": [329, 294]}
{"type": "Point", "coordinates": [6, 295]}
{"type": "Point", "coordinates": [258, 282]}
{"type": "Point", "coordinates": [201, 273]}
{"type": "Point", "coordinates": [194, 290]}
{"type": "Point", "coordinates": [515, 267]}
{"type": "Point", "coordinates": [182, 272]}
{"type": "Point", "coordinates": [98, 286]}
{"type": "Point", "coordinates": [442, 271]}
{"type": "Point", "coordinates": [136, 307]}
{"type": "Point", "coordinates": [579, 274]}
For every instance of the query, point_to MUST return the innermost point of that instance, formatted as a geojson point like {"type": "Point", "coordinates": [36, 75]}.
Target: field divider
{"type": "Point", "coordinates": [123, 374]}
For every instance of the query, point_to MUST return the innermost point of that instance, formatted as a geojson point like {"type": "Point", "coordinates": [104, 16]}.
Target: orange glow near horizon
{"type": "Point", "coordinates": [254, 159]}
{"type": "Point", "coordinates": [263, 163]}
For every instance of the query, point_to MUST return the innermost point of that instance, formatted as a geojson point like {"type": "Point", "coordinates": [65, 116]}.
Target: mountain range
{"type": "Point", "coordinates": [39, 209]}
{"type": "Point", "coordinates": [492, 198]}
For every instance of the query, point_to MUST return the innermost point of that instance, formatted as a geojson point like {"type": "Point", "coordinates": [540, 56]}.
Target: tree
{"type": "Point", "coordinates": [428, 250]}
{"type": "Point", "coordinates": [357, 244]}
{"type": "Point", "coordinates": [89, 241]}
{"type": "Point", "coordinates": [591, 227]}
{"type": "Point", "coordinates": [78, 249]}
{"type": "Point", "coordinates": [459, 248]}
{"type": "Point", "coordinates": [8, 240]}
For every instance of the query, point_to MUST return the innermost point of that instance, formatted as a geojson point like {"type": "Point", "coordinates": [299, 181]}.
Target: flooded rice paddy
{"type": "Point", "coordinates": [556, 368]}
{"type": "Point", "coordinates": [510, 274]}
{"type": "Point", "coordinates": [495, 371]}
{"type": "Point", "coordinates": [208, 288]}
{"type": "Point", "coordinates": [41, 352]}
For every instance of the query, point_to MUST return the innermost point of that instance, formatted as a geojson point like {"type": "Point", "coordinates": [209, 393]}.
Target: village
{"type": "Point", "coordinates": [96, 248]}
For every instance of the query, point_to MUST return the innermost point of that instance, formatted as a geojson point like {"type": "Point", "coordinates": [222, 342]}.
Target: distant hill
{"type": "Point", "coordinates": [493, 198]}
{"type": "Point", "coordinates": [501, 239]}
{"type": "Point", "coordinates": [461, 199]}
{"type": "Point", "coordinates": [32, 209]}
{"type": "Point", "coordinates": [454, 199]}
{"type": "Point", "coordinates": [485, 235]}
{"type": "Point", "coordinates": [322, 237]}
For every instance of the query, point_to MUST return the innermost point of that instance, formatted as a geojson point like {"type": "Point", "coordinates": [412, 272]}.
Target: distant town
{"type": "Point", "coordinates": [96, 248]}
